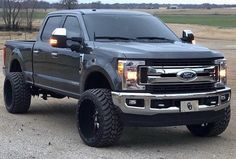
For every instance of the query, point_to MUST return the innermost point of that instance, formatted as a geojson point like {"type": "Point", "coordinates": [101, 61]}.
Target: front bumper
{"type": "Point", "coordinates": [120, 100]}
{"type": "Point", "coordinates": [172, 119]}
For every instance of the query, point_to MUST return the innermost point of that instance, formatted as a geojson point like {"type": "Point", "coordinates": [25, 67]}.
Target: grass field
{"type": "Point", "coordinates": [204, 19]}
{"type": "Point", "coordinates": [225, 18]}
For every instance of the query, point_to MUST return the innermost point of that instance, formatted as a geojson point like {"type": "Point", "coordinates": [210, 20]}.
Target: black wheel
{"type": "Point", "coordinates": [17, 94]}
{"type": "Point", "coordinates": [211, 129]}
{"type": "Point", "coordinates": [98, 120]}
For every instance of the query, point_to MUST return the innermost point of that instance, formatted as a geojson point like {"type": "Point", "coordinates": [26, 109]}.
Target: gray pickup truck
{"type": "Point", "coordinates": [126, 68]}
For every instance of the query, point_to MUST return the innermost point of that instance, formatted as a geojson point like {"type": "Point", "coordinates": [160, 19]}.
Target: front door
{"type": "Point", "coordinates": [43, 62]}
{"type": "Point", "coordinates": [57, 68]}
{"type": "Point", "coordinates": [67, 61]}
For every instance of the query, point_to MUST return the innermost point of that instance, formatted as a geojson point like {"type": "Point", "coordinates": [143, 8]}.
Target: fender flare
{"type": "Point", "coordinates": [16, 55]}
{"type": "Point", "coordinates": [107, 73]}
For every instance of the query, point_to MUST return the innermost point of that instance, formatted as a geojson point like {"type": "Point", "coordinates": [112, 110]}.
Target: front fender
{"type": "Point", "coordinates": [108, 71]}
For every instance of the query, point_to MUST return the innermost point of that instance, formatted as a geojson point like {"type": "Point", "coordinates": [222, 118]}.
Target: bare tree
{"type": "Point", "coordinates": [69, 4]}
{"type": "Point", "coordinates": [29, 9]}
{"type": "Point", "coordinates": [96, 5]}
{"type": "Point", "coordinates": [11, 10]}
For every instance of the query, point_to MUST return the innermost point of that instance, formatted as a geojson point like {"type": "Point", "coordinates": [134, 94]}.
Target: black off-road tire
{"type": "Point", "coordinates": [211, 129]}
{"type": "Point", "coordinates": [98, 120]}
{"type": "Point", "coordinates": [17, 95]}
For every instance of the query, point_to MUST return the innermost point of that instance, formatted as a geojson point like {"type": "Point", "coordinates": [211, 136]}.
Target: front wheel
{"type": "Point", "coordinates": [98, 121]}
{"type": "Point", "coordinates": [211, 129]}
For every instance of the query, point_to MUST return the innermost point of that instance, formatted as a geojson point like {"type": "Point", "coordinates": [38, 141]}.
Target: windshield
{"type": "Point", "coordinates": [127, 27]}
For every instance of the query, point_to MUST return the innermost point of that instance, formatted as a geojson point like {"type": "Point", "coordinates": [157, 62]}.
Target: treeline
{"type": "Point", "coordinates": [204, 6]}
{"type": "Point", "coordinates": [73, 4]}
{"type": "Point", "coordinates": [19, 14]}
{"type": "Point", "coordinates": [16, 12]}
{"type": "Point", "coordinates": [99, 5]}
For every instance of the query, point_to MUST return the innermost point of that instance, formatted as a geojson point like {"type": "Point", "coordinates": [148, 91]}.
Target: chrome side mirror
{"type": "Point", "coordinates": [188, 36]}
{"type": "Point", "coordinates": [58, 38]}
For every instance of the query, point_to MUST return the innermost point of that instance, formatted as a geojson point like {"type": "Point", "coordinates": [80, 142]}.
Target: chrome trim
{"type": "Point", "coordinates": [175, 69]}
{"type": "Point", "coordinates": [187, 75]}
{"type": "Point", "coordinates": [54, 55]}
{"type": "Point", "coordinates": [36, 51]}
{"type": "Point", "coordinates": [220, 61]}
{"type": "Point", "coordinates": [153, 80]}
{"type": "Point", "coordinates": [169, 74]}
{"type": "Point", "coordinates": [119, 99]}
{"type": "Point", "coordinates": [81, 63]}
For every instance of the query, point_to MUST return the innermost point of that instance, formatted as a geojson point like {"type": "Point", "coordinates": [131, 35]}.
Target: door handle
{"type": "Point", "coordinates": [54, 54]}
{"type": "Point", "coordinates": [36, 51]}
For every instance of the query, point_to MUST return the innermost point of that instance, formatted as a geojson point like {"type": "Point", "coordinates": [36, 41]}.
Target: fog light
{"type": "Point", "coordinates": [135, 102]}
{"type": "Point", "coordinates": [224, 98]}
{"type": "Point", "coordinates": [132, 102]}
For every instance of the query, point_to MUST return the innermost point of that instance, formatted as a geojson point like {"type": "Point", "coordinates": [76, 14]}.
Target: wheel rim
{"type": "Point", "coordinates": [88, 119]}
{"type": "Point", "coordinates": [8, 94]}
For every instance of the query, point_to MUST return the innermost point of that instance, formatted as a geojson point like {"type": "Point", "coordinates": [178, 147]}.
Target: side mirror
{"type": "Point", "coordinates": [77, 43]}
{"type": "Point", "coordinates": [58, 38]}
{"type": "Point", "coordinates": [188, 36]}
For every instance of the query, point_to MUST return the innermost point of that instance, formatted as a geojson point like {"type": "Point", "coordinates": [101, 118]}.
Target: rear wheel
{"type": "Point", "coordinates": [211, 129]}
{"type": "Point", "coordinates": [98, 121]}
{"type": "Point", "coordinates": [17, 94]}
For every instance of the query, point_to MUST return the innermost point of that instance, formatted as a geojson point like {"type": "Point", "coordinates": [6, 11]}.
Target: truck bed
{"type": "Point", "coordinates": [20, 50]}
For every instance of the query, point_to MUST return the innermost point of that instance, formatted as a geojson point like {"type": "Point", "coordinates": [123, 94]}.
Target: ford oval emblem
{"type": "Point", "coordinates": [187, 75]}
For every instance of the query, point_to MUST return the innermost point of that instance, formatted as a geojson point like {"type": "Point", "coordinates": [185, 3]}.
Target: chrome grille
{"type": "Point", "coordinates": [180, 62]}
{"type": "Point", "coordinates": [187, 88]}
{"type": "Point", "coordinates": [161, 75]}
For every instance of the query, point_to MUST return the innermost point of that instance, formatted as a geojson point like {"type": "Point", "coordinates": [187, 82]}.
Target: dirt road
{"type": "Point", "coordinates": [49, 130]}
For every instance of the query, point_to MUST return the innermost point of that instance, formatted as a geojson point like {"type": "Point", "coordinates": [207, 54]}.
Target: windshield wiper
{"type": "Point", "coordinates": [113, 38]}
{"type": "Point", "coordinates": [153, 38]}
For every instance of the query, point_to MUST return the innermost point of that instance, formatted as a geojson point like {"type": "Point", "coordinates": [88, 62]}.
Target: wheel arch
{"type": "Point", "coordinates": [101, 74]}
{"type": "Point", "coordinates": [15, 66]}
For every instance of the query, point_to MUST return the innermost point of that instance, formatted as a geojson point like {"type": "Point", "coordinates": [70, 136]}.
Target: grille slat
{"type": "Point", "coordinates": [180, 62]}
{"type": "Point", "coordinates": [188, 88]}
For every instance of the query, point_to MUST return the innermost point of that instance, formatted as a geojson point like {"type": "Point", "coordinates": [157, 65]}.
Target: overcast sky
{"type": "Point", "coordinates": [159, 1]}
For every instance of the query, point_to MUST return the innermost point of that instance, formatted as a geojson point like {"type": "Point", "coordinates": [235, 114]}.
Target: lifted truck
{"type": "Point", "coordinates": [126, 68]}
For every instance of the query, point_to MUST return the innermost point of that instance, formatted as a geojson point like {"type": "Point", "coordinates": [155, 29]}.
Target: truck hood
{"type": "Point", "coordinates": [177, 50]}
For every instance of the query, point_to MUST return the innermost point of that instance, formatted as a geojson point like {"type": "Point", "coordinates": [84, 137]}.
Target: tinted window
{"type": "Point", "coordinates": [130, 26]}
{"type": "Point", "coordinates": [72, 27]}
{"type": "Point", "coordinates": [51, 24]}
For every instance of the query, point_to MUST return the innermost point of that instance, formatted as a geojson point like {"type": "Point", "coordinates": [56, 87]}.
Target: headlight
{"type": "Point", "coordinates": [222, 75]}
{"type": "Point", "coordinates": [128, 71]}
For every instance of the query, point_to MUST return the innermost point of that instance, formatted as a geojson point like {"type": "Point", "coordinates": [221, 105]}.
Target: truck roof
{"type": "Point", "coordinates": [99, 11]}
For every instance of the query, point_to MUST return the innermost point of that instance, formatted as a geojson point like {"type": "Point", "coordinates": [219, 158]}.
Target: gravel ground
{"type": "Point", "coordinates": [49, 129]}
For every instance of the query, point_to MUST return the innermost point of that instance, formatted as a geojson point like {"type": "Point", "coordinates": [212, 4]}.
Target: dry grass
{"type": "Point", "coordinates": [228, 11]}
{"type": "Point", "coordinates": [16, 36]}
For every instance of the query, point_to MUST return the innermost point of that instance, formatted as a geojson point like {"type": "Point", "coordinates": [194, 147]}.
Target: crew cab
{"type": "Point", "coordinates": [126, 68]}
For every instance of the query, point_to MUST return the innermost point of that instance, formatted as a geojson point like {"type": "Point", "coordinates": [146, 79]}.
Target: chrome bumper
{"type": "Point", "coordinates": [119, 99]}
